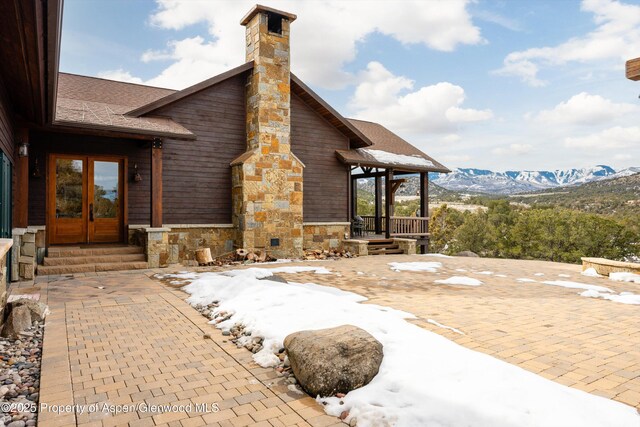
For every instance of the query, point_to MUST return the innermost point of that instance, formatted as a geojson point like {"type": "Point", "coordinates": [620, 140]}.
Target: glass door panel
{"type": "Point", "coordinates": [67, 198]}
{"type": "Point", "coordinates": [105, 189]}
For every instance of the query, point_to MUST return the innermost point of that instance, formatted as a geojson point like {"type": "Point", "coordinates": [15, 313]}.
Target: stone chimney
{"type": "Point", "coordinates": [267, 179]}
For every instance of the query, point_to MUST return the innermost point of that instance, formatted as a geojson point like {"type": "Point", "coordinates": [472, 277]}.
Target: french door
{"type": "Point", "coordinates": [85, 199]}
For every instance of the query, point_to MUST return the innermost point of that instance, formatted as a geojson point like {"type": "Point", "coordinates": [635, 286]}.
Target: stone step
{"type": "Point", "coordinates": [90, 268]}
{"type": "Point", "coordinates": [384, 246]}
{"type": "Point", "coordinates": [396, 251]}
{"type": "Point", "coordinates": [96, 259]}
{"type": "Point", "coordinates": [380, 241]}
{"type": "Point", "coordinates": [71, 251]}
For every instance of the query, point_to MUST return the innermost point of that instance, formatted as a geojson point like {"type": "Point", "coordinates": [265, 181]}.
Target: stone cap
{"type": "Point", "coordinates": [5, 245]}
{"type": "Point", "coordinates": [258, 8]}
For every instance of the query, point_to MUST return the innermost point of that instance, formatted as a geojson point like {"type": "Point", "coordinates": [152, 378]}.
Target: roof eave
{"type": "Point", "coordinates": [181, 94]}
{"type": "Point", "coordinates": [399, 167]}
{"type": "Point", "coordinates": [122, 130]}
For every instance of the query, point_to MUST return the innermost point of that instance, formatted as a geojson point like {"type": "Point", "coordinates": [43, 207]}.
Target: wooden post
{"type": "Point", "coordinates": [388, 205]}
{"type": "Point", "coordinates": [424, 202]}
{"type": "Point", "coordinates": [21, 191]}
{"type": "Point", "coordinates": [378, 203]}
{"type": "Point", "coordinates": [354, 197]}
{"type": "Point", "coordinates": [156, 183]}
{"type": "Point", "coordinates": [349, 201]}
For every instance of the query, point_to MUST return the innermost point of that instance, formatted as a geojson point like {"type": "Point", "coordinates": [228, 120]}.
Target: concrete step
{"type": "Point", "coordinates": [95, 259]}
{"type": "Point", "coordinates": [90, 268]}
{"type": "Point", "coordinates": [76, 251]}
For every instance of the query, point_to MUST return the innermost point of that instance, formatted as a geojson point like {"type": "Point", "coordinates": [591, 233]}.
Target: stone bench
{"type": "Point", "coordinates": [605, 266]}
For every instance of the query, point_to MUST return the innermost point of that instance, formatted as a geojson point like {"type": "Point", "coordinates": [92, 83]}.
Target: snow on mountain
{"type": "Point", "coordinates": [511, 182]}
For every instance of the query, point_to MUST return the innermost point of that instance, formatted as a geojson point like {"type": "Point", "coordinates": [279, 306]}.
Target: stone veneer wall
{"type": "Point", "coordinates": [29, 247]}
{"type": "Point", "coordinates": [267, 179]}
{"type": "Point", "coordinates": [5, 246]}
{"type": "Point", "coordinates": [325, 235]}
{"type": "Point", "coordinates": [178, 244]}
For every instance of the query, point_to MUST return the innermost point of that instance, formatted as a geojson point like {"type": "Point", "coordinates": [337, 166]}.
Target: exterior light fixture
{"type": "Point", "coordinates": [136, 175]}
{"type": "Point", "coordinates": [23, 149]}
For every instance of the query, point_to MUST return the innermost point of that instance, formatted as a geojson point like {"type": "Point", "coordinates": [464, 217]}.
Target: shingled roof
{"type": "Point", "coordinates": [90, 102]}
{"type": "Point", "coordinates": [388, 151]}
{"type": "Point", "coordinates": [95, 103]}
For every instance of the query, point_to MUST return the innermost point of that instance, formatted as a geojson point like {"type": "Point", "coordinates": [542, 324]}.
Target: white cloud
{"type": "Point", "coordinates": [323, 39]}
{"type": "Point", "coordinates": [384, 97]}
{"type": "Point", "coordinates": [513, 149]}
{"type": "Point", "coordinates": [121, 75]}
{"type": "Point", "coordinates": [609, 139]}
{"type": "Point", "coordinates": [585, 109]}
{"type": "Point", "coordinates": [615, 39]}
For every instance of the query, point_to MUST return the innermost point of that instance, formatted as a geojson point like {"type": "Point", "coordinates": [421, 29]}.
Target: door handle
{"type": "Point", "coordinates": [90, 211]}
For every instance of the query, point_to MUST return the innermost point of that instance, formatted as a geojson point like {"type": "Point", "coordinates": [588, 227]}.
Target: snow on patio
{"type": "Point", "coordinates": [424, 378]}
{"type": "Point", "coordinates": [430, 267]}
{"type": "Point", "coordinates": [625, 277]}
{"type": "Point", "coordinates": [459, 280]}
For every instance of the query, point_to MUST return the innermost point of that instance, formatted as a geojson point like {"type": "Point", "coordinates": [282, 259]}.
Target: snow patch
{"type": "Point", "coordinates": [397, 159]}
{"type": "Point", "coordinates": [437, 255]}
{"type": "Point", "coordinates": [590, 272]}
{"type": "Point", "coordinates": [486, 273]}
{"type": "Point", "coordinates": [526, 280]}
{"type": "Point", "coordinates": [625, 277]}
{"type": "Point", "coordinates": [440, 325]}
{"type": "Point", "coordinates": [623, 297]}
{"type": "Point", "coordinates": [460, 280]}
{"type": "Point", "coordinates": [430, 267]}
{"type": "Point", "coordinates": [575, 285]}
{"type": "Point", "coordinates": [424, 379]}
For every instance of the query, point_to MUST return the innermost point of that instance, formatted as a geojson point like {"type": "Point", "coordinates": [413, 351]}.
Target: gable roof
{"type": "Point", "coordinates": [388, 151]}
{"type": "Point", "coordinates": [95, 103]}
{"type": "Point", "coordinates": [181, 94]}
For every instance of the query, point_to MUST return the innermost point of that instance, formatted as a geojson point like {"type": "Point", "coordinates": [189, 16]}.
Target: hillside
{"type": "Point", "coordinates": [611, 196]}
{"type": "Point", "coordinates": [366, 188]}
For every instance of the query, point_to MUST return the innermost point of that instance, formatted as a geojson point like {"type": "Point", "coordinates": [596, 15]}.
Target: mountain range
{"type": "Point", "coordinates": [513, 182]}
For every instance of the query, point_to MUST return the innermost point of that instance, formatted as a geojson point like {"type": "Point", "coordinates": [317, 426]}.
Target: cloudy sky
{"type": "Point", "coordinates": [489, 84]}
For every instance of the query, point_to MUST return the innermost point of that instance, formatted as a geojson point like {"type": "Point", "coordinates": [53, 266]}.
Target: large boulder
{"type": "Point", "coordinates": [19, 319]}
{"type": "Point", "coordinates": [38, 309]}
{"type": "Point", "coordinates": [335, 360]}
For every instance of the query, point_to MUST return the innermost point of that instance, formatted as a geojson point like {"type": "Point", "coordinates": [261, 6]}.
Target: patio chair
{"type": "Point", "coordinates": [357, 226]}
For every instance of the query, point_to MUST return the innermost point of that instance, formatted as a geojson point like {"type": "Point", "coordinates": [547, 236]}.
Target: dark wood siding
{"type": "Point", "coordinates": [314, 141]}
{"type": "Point", "coordinates": [6, 124]}
{"type": "Point", "coordinates": [136, 152]}
{"type": "Point", "coordinates": [196, 174]}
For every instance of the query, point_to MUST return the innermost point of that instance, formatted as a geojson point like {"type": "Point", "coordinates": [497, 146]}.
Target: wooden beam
{"type": "Point", "coordinates": [378, 204]}
{"type": "Point", "coordinates": [156, 183]}
{"type": "Point", "coordinates": [633, 69]}
{"type": "Point", "coordinates": [349, 197]}
{"type": "Point", "coordinates": [388, 201]}
{"type": "Point", "coordinates": [21, 190]}
{"type": "Point", "coordinates": [354, 197]}
{"type": "Point", "coordinates": [424, 202]}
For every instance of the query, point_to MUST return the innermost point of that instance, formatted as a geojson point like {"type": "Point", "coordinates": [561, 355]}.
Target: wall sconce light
{"type": "Point", "coordinates": [23, 149]}
{"type": "Point", "coordinates": [136, 175]}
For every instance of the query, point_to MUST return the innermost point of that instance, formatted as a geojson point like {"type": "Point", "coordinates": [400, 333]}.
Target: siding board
{"type": "Point", "coordinates": [196, 174]}
{"type": "Point", "coordinates": [314, 141]}
{"type": "Point", "coordinates": [6, 124]}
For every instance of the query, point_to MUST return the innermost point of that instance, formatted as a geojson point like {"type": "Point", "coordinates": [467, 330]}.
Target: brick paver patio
{"type": "Point", "coordinates": [136, 340]}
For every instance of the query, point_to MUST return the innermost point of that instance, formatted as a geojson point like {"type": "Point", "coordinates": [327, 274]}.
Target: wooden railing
{"type": "Point", "coordinates": [370, 223]}
{"type": "Point", "coordinates": [409, 226]}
